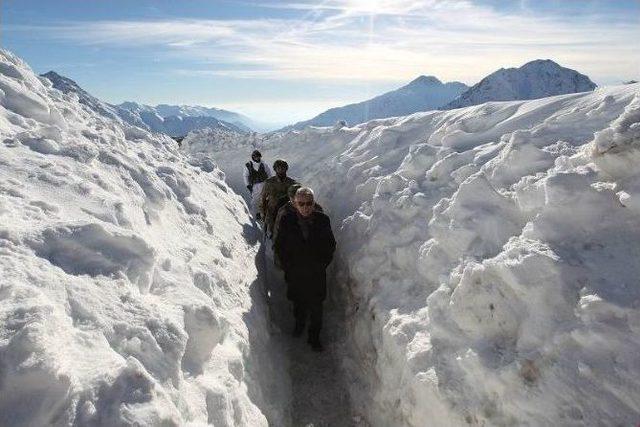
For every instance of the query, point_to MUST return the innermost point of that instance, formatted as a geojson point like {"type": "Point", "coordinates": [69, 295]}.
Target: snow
{"type": "Point", "coordinates": [486, 271]}
{"type": "Point", "coordinates": [130, 293]}
{"type": "Point", "coordinates": [422, 94]}
{"type": "Point", "coordinates": [535, 79]}
{"type": "Point", "coordinates": [488, 257]}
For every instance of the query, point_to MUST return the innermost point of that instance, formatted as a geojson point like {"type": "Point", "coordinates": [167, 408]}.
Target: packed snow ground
{"type": "Point", "coordinates": [489, 257]}
{"type": "Point", "coordinates": [319, 393]}
{"type": "Point", "coordinates": [129, 282]}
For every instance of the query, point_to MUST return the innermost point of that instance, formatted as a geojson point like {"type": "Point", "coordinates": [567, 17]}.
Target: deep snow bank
{"type": "Point", "coordinates": [126, 276]}
{"type": "Point", "coordinates": [491, 255]}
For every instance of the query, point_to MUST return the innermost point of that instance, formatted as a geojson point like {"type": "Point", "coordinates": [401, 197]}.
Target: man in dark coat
{"type": "Point", "coordinates": [305, 246]}
{"type": "Point", "coordinates": [289, 206]}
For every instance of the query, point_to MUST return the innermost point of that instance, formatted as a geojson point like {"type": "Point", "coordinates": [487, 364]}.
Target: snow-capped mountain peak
{"type": "Point", "coordinates": [421, 94]}
{"type": "Point", "coordinates": [425, 81]}
{"type": "Point", "coordinates": [535, 79]}
{"type": "Point", "coordinates": [62, 81]}
{"type": "Point", "coordinates": [66, 85]}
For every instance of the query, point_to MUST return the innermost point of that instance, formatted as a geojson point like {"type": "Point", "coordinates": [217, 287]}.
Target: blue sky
{"type": "Point", "coordinates": [283, 61]}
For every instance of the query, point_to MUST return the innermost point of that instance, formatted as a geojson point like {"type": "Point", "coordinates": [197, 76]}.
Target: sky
{"type": "Point", "coordinates": [285, 61]}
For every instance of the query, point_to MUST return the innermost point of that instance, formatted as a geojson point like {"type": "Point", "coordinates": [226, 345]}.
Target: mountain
{"type": "Point", "coordinates": [168, 119]}
{"type": "Point", "coordinates": [178, 124]}
{"type": "Point", "coordinates": [422, 94]}
{"type": "Point", "coordinates": [66, 85]}
{"type": "Point", "coordinates": [191, 115]}
{"type": "Point", "coordinates": [535, 79]}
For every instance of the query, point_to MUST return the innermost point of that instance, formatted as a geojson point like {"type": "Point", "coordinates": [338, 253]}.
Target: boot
{"type": "Point", "coordinates": [315, 343]}
{"type": "Point", "coordinates": [298, 330]}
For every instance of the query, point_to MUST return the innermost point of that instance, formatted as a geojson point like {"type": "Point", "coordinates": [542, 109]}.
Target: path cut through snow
{"type": "Point", "coordinates": [319, 393]}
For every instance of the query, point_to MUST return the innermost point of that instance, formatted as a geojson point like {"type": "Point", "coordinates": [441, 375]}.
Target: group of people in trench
{"type": "Point", "coordinates": [300, 232]}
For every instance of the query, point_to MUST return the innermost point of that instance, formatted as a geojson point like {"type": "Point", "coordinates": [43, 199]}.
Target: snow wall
{"type": "Point", "coordinates": [129, 292]}
{"type": "Point", "coordinates": [488, 257]}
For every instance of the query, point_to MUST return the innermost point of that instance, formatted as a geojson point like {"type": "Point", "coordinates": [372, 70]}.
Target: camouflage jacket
{"type": "Point", "coordinates": [273, 192]}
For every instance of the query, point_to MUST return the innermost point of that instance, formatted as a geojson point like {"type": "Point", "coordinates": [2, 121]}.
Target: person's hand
{"type": "Point", "coordinates": [250, 188]}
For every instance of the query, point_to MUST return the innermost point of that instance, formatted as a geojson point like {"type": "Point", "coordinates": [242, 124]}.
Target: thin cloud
{"type": "Point", "coordinates": [355, 7]}
{"type": "Point", "coordinates": [374, 41]}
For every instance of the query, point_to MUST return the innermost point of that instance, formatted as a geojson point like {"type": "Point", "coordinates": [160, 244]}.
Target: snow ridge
{"type": "Point", "coordinates": [489, 257]}
{"type": "Point", "coordinates": [130, 293]}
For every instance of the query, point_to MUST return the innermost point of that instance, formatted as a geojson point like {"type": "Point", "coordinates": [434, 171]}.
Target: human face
{"type": "Point", "coordinates": [281, 171]}
{"type": "Point", "coordinates": [304, 205]}
{"type": "Point", "coordinates": [256, 158]}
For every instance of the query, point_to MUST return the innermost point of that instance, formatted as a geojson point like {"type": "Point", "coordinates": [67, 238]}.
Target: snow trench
{"type": "Point", "coordinates": [486, 271]}
{"type": "Point", "coordinates": [486, 255]}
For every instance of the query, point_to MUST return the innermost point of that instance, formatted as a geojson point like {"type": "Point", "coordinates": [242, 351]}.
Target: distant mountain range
{"type": "Point", "coordinates": [177, 125]}
{"type": "Point", "coordinates": [172, 120]}
{"type": "Point", "coordinates": [178, 118]}
{"type": "Point", "coordinates": [422, 94]}
{"type": "Point", "coordinates": [535, 79]}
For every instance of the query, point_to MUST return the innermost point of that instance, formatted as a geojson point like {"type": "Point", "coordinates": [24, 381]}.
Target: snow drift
{"type": "Point", "coordinates": [489, 257]}
{"type": "Point", "coordinates": [129, 293]}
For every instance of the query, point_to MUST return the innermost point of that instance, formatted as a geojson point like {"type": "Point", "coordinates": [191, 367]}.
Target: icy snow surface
{"type": "Point", "coordinates": [488, 257]}
{"type": "Point", "coordinates": [129, 287]}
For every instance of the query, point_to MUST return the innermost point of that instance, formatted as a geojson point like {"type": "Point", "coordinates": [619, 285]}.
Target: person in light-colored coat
{"type": "Point", "coordinates": [255, 174]}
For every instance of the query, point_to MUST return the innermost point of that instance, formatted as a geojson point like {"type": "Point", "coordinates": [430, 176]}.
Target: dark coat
{"type": "Point", "coordinates": [288, 207]}
{"type": "Point", "coordinates": [305, 261]}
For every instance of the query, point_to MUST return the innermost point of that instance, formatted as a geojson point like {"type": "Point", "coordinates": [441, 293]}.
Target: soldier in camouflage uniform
{"type": "Point", "coordinates": [274, 194]}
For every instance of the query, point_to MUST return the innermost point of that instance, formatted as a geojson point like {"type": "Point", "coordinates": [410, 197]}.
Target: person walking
{"type": "Point", "coordinates": [289, 206]}
{"type": "Point", "coordinates": [305, 246]}
{"type": "Point", "coordinates": [255, 174]}
{"type": "Point", "coordinates": [273, 194]}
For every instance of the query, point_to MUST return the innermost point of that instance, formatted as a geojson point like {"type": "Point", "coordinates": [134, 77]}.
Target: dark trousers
{"type": "Point", "coordinates": [301, 309]}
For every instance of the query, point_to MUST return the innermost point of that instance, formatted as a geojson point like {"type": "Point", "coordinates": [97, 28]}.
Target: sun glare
{"type": "Point", "coordinates": [369, 6]}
